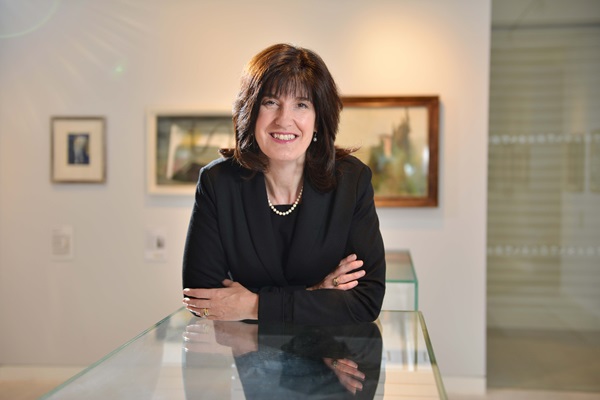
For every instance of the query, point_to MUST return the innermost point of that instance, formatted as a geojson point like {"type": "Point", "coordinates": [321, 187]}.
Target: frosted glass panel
{"type": "Point", "coordinates": [544, 169]}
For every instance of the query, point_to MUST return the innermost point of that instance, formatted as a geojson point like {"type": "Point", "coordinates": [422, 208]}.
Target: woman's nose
{"type": "Point", "coordinates": [284, 117]}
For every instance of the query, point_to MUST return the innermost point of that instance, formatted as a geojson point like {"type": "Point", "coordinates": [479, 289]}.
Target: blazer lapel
{"type": "Point", "coordinates": [254, 199]}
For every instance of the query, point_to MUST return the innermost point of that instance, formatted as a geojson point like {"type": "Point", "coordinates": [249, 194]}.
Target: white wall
{"type": "Point", "coordinates": [190, 53]}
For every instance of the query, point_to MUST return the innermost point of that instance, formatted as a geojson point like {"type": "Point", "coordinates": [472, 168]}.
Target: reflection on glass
{"type": "Point", "coordinates": [281, 361]}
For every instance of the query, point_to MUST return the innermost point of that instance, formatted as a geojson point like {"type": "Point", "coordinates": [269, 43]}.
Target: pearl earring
{"type": "Point", "coordinates": [315, 137]}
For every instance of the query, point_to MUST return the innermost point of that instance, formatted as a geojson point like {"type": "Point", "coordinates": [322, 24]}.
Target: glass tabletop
{"type": "Point", "coordinates": [399, 267]}
{"type": "Point", "coordinates": [401, 282]}
{"type": "Point", "coordinates": [185, 357]}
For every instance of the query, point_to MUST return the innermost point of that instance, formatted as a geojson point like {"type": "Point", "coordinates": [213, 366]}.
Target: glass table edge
{"type": "Point", "coordinates": [107, 356]}
{"type": "Point", "coordinates": [392, 280]}
{"type": "Point", "coordinates": [434, 365]}
{"type": "Point", "coordinates": [414, 279]}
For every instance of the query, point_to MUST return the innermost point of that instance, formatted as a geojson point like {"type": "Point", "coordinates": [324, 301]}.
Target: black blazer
{"type": "Point", "coordinates": [230, 235]}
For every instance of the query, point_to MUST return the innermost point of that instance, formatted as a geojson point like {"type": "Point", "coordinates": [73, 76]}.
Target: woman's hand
{"type": "Point", "coordinates": [347, 372]}
{"type": "Point", "coordinates": [231, 303]}
{"type": "Point", "coordinates": [199, 337]}
{"type": "Point", "coordinates": [342, 277]}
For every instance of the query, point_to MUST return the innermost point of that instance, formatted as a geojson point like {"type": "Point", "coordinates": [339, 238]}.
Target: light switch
{"type": "Point", "coordinates": [156, 245]}
{"type": "Point", "coordinates": [63, 243]}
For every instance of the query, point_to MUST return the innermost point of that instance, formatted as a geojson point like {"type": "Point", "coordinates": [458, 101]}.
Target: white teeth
{"type": "Point", "coordinates": [282, 136]}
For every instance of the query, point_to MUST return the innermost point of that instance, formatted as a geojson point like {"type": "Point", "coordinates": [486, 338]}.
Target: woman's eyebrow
{"type": "Point", "coordinates": [274, 96]}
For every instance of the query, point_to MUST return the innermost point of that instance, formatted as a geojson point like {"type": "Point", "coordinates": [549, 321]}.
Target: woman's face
{"type": "Point", "coordinates": [284, 127]}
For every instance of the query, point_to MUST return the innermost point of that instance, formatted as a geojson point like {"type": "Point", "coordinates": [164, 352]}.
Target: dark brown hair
{"type": "Point", "coordinates": [285, 69]}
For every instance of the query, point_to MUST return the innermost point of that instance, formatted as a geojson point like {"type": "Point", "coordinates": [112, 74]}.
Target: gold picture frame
{"type": "Point", "coordinates": [179, 143]}
{"type": "Point", "coordinates": [398, 137]}
{"type": "Point", "coordinates": [78, 150]}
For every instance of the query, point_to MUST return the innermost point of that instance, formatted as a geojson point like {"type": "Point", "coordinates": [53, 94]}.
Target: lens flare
{"type": "Point", "coordinates": [19, 18]}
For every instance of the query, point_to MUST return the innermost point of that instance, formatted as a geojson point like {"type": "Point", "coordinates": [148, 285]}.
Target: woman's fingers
{"type": "Point", "coordinates": [199, 301]}
{"type": "Point", "coordinates": [200, 306]}
{"type": "Point", "coordinates": [353, 276]}
{"type": "Point", "coordinates": [342, 277]}
{"type": "Point", "coordinates": [233, 302]}
{"type": "Point", "coordinates": [348, 373]}
{"type": "Point", "coordinates": [349, 367]}
{"type": "Point", "coordinates": [349, 258]}
{"type": "Point", "coordinates": [348, 281]}
{"type": "Point", "coordinates": [348, 264]}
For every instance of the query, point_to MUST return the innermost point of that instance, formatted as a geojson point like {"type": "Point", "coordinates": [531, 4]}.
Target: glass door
{"type": "Point", "coordinates": [543, 252]}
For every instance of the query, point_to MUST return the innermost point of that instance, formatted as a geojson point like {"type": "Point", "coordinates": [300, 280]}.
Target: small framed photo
{"type": "Point", "coordinates": [397, 138]}
{"type": "Point", "coordinates": [181, 142]}
{"type": "Point", "coordinates": [78, 150]}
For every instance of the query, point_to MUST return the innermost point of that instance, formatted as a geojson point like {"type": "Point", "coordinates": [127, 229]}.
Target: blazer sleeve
{"type": "Point", "coordinates": [204, 262]}
{"type": "Point", "coordinates": [360, 304]}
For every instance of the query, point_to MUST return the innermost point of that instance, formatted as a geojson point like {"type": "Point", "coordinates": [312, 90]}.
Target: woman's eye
{"type": "Point", "coordinates": [268, 102]}
{"type": "Point", "coordinates": [303, 105]}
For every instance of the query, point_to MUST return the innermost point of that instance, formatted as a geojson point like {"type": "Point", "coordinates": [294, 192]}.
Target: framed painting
{"type": "Point", "coordinates": [180, 143]}
{"type": "Point", "coordinates": [397, 137]}
{"type": "Point", "coordinates": [78, 151]}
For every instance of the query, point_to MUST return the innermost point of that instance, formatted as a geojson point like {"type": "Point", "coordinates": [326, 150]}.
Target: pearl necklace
{"type": "Point", "coordinates": [284, 213]}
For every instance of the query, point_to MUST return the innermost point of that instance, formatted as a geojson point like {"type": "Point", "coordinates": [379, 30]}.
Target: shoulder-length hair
{"type": "Point", "coordinates": [283, 69]}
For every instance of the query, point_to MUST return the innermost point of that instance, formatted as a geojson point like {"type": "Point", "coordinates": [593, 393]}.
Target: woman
{"type": "Point", "coordinates": [284, 226]}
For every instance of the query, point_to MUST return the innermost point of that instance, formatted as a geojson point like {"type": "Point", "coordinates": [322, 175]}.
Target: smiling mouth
{"type": "Point", "coordinates": [284, 136]}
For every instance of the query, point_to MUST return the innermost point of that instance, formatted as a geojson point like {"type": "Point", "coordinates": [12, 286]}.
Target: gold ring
{"type": "Point", "coordinates": [335, 282]}
{"type": "Point", "coordinates": [334, 363]}
{"type": "Point", "coordinates": [205, 312]}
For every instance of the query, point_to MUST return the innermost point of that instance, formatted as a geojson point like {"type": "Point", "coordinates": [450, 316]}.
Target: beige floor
{"type": "Point", "coordinates": [30, 389]}
{"type": "Point", "coordinates": [33, 389]}
{"type": "Point", "coordinates": [29, 382]}
{"type": "Point", "coordinates": [543, 360]}
{"type": "Point", "coordinates": [511, 394]}
{"type": "Point", "coordinates": [27, 389]}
